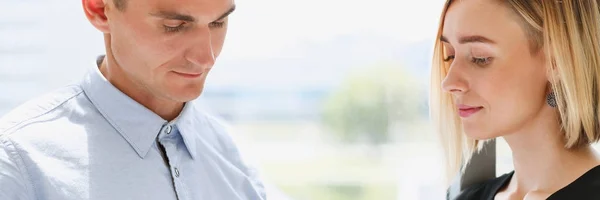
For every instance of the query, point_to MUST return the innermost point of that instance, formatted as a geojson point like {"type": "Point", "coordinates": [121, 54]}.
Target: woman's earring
{"type": "Point", "coordinates": [551, 100]}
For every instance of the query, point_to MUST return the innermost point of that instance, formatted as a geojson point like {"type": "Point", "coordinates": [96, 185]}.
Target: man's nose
{"type": "Point", "coordinates": [200, 51]}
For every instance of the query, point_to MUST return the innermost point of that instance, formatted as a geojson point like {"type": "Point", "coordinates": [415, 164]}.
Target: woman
{"type": "Point", "coordinates": [527, 71]}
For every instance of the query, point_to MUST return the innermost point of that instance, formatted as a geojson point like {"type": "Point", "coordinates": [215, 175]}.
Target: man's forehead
{"type": "Point", "coordinates": [200, 9]}
{"type": "Point", "coordinates": [191, 5]}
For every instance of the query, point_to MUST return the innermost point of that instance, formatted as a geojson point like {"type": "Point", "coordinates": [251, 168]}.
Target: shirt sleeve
{"type": "Point", "coordinates": [13, 184]}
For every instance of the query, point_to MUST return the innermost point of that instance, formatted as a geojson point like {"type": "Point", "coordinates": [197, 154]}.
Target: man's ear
{"type": "Point", "coordinates": [95, 12]}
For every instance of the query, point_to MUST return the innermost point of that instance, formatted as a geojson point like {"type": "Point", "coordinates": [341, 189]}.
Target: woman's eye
{"type": "Point", "coordinates": [481, 61]}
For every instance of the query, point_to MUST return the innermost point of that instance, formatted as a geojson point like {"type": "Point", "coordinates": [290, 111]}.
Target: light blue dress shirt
{"type": "Point", "coordinates": [91, 141]}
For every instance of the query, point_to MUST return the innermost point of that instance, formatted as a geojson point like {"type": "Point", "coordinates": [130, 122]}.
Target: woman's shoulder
{"type": "Point", "coordinates": [587, 186]}
{"type": "Point", "coordinates": [485, 190]}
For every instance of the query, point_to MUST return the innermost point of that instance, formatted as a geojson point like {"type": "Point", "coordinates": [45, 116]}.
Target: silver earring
{"type": "Point", "coordinates": [551, 99]}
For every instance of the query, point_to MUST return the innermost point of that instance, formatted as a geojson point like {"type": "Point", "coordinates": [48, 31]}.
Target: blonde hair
{"type": "Point", "coordinates": [568, 32]}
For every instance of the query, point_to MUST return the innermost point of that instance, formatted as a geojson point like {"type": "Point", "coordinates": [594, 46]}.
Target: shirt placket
{"type": "Point", "coordinates": [167, 139]}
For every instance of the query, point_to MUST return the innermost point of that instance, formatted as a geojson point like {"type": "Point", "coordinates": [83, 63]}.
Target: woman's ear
{"type": "Point", "coordinates": [95, 12]}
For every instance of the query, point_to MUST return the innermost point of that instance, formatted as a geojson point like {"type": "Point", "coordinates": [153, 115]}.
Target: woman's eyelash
{"type": "Point", "coordinates": [449, 58]}
{"type": "Point", "coordinates": [481, 61]}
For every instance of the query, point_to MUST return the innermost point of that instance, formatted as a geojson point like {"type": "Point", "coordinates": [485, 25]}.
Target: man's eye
{"type": "Point", "coordinates": [173, 28]}
{"type": "Point", "coordinates": [217, 24]}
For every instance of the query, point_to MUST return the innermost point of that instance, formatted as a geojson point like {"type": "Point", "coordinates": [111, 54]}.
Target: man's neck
{"type": "Point", "coordinates": [166, 109]}
{"type": "Point", "coordinates": [541, 161]}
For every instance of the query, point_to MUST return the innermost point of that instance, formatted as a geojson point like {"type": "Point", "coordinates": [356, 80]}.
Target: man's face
{"type": "Point", "coordinates": [167, 47]}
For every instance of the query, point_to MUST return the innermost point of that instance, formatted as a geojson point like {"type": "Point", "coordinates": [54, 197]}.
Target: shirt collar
{"type": "Point", "coordinates": [138, 125]}
{"type": "Point", "coordinates": [188, 124]}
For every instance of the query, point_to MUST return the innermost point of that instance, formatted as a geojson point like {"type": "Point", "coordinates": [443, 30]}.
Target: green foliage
{"type": "Point", "coordinates": [371, 100]}
{"type": "Point", "coordinates": [343, 192]}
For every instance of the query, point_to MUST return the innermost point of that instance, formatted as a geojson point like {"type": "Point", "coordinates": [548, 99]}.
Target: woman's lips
{"type": "Point", "coordinates": [465, 111]}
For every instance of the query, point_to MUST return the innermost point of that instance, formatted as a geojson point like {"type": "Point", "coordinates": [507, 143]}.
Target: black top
{"type": "Point", "coordinates": [586, 187]}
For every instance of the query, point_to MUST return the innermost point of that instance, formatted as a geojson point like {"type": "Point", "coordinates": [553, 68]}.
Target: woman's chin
{"type": "Point", "coordinates": [480, 135]}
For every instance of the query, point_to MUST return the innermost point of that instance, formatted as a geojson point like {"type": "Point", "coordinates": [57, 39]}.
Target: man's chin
{"type": "Point", "coordinates": [186, 95]}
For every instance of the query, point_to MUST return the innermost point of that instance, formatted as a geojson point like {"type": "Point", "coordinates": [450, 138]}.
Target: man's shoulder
{"type": "Point", "coordinates": [203, 118]}
{"type": "Point", "coordinates": [216, 123]}
{"type": "Point", "coordinates": [31, 111]}
{"type": "Point", "coordinates": [213, 129]}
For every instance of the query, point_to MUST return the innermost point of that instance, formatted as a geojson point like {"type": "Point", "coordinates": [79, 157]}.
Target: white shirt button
{"type": "Point", "coordinates": [176, 172]}
{"type": "Point", "coordinates": [168, 129]}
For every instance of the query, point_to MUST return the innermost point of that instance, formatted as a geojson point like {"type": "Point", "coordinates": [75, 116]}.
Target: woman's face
{"type": "Point", "coordinates": [498, 84]}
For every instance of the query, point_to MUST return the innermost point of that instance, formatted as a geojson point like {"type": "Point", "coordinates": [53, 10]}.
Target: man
{"type": "Point", "coordinates": [129, 129]}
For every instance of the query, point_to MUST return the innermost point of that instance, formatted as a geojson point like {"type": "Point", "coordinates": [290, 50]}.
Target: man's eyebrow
{"type": "Point", "coordinates": [187, 18]}
{"type": "Point", "coordinates": [470, 39]}
{"type": "Point", "coordinates": [173, 15]}
{"type": "Point", "coordinates": [224, 15]}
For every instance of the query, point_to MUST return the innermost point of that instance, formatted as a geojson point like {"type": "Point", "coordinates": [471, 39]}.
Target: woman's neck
{"type": "Point", "coordinates": [542, 163]}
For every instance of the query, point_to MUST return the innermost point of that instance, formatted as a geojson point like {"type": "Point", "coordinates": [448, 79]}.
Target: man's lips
{"type": "Point", "coordinates": [188, 75]}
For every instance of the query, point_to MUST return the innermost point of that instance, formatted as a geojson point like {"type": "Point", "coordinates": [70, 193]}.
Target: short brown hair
{"type": "Point", "coordinates": [120, 4]}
